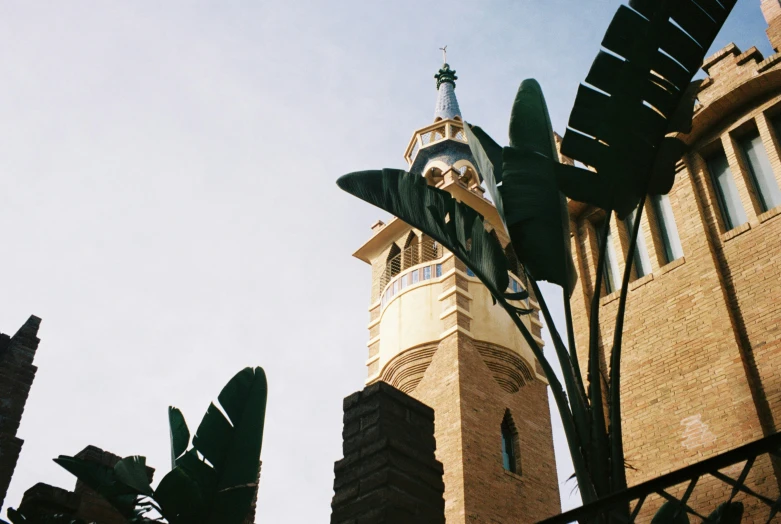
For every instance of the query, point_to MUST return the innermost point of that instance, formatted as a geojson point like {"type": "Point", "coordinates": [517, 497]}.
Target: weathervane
{"type": "Point", "coordinates": [444, 54]}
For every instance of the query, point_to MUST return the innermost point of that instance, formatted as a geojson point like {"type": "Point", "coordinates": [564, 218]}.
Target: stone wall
{"type": "Point", "coordinates": [16, 378]}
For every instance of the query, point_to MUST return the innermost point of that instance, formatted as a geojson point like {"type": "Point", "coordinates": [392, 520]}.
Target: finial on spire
{"type": "Point", "coordinates": [444, 54]}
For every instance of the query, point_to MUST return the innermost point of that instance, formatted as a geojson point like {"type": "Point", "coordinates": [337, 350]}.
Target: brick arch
{"type": "Point", "coordinates": [406, 370]}
{"type": "Point", "coordinates": [508, 369]}
{"type": "Point", "coordinates": [753, 91]}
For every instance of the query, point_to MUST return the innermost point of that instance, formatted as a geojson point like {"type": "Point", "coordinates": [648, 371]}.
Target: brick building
{"type": "Point", "coordinates": [435, 334]}
{"type": "Point", "coordinates": [701, 363]}
{"type": "Point", "coordinates": [16, 378]}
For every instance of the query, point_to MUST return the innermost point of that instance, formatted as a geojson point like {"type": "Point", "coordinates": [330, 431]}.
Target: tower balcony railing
{"type": "Point", "coordinates": [433, 134]}
{"type": "Point", "coordinates": [407, 268]}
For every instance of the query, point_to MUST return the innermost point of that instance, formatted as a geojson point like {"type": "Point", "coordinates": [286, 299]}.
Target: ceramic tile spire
{"type": "Point", "coordinates": [447, 105]}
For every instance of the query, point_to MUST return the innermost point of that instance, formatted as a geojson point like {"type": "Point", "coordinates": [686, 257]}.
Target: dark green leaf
{"type": "Point", "coordinates": [244, 399]}
{"type": "Point", "coordinates": [535, 210]}
{"type": "Point", "coordinates": [727, 513]}
{"type": "Point", "coordinates": [671, 513]}
{"type": "Point", "coordinates": [488, 155]}
{"type": "Point", "coordinates": [180, 435]}
{"type": "Point", "coordinates": [131, 471]}
{"type": "Point", "coordinates": [214, 436]}
{"type": "Point", "coordinates": [187, 492]}
{"type": "Point", "coordinates": [232, 446]}
{"type": "Point", "coordinates": [104, 481]}
{"type": "Point", "coordinates": [523, 295]}
{"type": "Point", "coordinates": [435, 212]}
{"type": "Point", "coordinates": [624, 127]}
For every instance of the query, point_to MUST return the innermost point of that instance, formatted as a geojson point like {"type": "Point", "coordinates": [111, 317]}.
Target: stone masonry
{"type": "Point", "coordinates": [389, 474]}
{"type": "Point", "coordinates": [16, 378]}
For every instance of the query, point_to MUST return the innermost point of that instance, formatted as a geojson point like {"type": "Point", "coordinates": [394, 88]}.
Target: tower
{"type": "Point", "coordinates": [435, 334]}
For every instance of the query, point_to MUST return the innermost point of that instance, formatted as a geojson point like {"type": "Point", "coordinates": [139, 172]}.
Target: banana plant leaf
{"type": "Point", "coordinates": [180, 435]}
{"type": "Point", "coordinates": [186, 492]}
{"type": "Point", "coordinates": [521, 180]}
{"type": "Point", "coordinates": [232, 445]}
{"type": "Point", "coordinates": [637, 96]}
{"type": "Point", "coordinates": [435, 212]}
{"type": "Point", "coordinates": [121, 485]}
{"type": "Point", "coordinates": [22, 517]}
{"type": "Point", "coordinates": [727, 513]}
{"type": "Point", "coordinates": [671, 513]}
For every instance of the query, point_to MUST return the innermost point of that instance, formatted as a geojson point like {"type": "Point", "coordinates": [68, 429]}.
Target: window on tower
{"type": "Point", "coordinates": [510, 456]}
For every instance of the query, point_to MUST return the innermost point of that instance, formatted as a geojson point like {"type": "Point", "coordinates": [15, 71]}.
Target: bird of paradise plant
{"type": "Point", "coordinates": [637, 99]}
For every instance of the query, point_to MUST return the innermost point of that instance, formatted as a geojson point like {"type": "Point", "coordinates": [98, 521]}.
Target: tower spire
{"type": "Point", "coordinates": [447, 104]}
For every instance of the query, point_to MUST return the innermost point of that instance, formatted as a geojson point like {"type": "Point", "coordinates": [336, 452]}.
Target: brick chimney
{"type": "Point", "coordinates": [771, 9]}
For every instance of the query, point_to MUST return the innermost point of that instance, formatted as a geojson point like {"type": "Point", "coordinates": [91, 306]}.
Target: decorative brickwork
{"type": "Point", "coordinates": [702, 345]}
{"type": "Point", "coordinates": [389, 474]}
{"type": "Point", "coordinates": [16, 378]}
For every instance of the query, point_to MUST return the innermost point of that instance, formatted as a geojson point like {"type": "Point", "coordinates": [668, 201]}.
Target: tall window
{"type": "Point", "coordinates": [726, 191]}
{"type": "Point", "coordinates": [610, 268]}
{"type": "Point", "coordinates": [762, 177]}
{"type": "Point", "coordinates": [410, 256]}
{"type": "Point", "coordinates": [393, 262]}
{"type": "Point", "coordinates": [509, 445]}
{"type": "Point", "coordinates": [668, 231]}
{"type": "Point", "coordinates": [642, 262]}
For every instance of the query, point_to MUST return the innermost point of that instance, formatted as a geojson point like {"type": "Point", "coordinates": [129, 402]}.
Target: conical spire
{"type": "Point", "coordinates": [447, 104]}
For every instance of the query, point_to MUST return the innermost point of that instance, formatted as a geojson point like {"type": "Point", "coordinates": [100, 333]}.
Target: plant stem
{"type": "Point", "coordinates": [571, 336]}
{"type": "Point", "coordinates": [585, 484]}
{"type": "Point", "coordinates": [618, 473]}
{"type": "Point", "coordinates": [599, 453]}
{"type": "Point", "coordinates": [577, 395]}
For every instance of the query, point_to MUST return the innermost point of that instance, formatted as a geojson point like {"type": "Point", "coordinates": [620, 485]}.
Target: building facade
{"type": "Point", "coordinates": [701, 369]}
{"type": "Point", "coordinates": [435, 334]}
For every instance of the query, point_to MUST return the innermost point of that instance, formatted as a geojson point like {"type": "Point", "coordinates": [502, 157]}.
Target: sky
{"type": "Point", "coordinates": [168, 205]}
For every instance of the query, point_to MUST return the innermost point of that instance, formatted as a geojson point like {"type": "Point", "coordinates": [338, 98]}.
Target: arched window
{"type": "Point", "coordinates": [410, 256]}
{"type": "Point", "coordinates": [511, 459]}
{"type": "Point", "coordinates": [393, 263]}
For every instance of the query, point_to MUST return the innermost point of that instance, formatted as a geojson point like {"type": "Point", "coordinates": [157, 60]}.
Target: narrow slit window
{"type": "Point", "coordinates": [726, 191]}
{"type": "Point", "coordinates": [668, 231]}
{"type": "Point", "coordinates": [510, 456]}
{"type": "Point", "coordinates": [762, 177]}
{"type": "Point", "coordinates": [642, 262]}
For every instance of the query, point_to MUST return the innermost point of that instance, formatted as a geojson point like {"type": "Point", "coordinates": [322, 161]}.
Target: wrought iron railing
{"type": "Point", "coordinates": [414, 254]}
{"type": "Point", "coordinates": [754, 464]}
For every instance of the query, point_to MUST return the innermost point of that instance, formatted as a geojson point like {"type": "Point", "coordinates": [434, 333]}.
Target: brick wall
{"type": "Point", "coordinates": [389, 474]}
{"type": "Point", "coordinates": [16, 378]}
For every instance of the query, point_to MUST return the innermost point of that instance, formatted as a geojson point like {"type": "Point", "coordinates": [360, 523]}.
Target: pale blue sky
{"type": "Point", "coordinates": [168, 206]}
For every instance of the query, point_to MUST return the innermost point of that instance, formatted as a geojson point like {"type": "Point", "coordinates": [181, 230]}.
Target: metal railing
{"type": "Point", "coordinates": [626, 506]}
{"type": "Point", "coordinates": [418, 252]}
